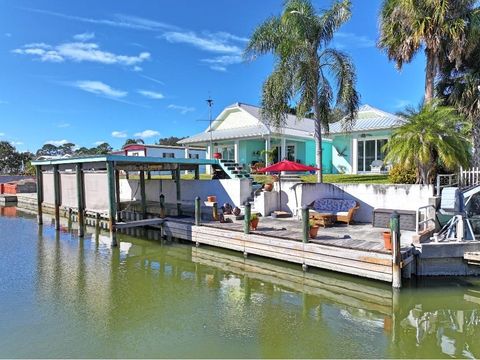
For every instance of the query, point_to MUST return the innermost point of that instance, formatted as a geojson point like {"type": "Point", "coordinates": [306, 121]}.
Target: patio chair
{"type": "Point", "coordinates": [342, 209]}
{"type": "Point", "coordinates": [376, 166]}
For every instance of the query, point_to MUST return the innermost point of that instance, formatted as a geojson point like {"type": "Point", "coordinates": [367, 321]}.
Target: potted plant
{"type": "Point", "coordinates": [268, 187]}
{"type": "Point", "coordinates": [387, 240]}
{"type": "Point", "coordinates": [313, 226]}
{"type": "Point", "coordinates": [254, 221]}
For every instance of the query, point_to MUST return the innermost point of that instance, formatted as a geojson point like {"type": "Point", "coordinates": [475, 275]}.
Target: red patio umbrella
{"type": "Point", "coordinates": [287, 166]}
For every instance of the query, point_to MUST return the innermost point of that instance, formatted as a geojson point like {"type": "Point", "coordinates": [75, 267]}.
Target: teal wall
{"type": "Point", "coordinates": [326, 155]}
{"type": "Point", "coordinates": [341, 154]}
{"type": "Point", "coordinates": [247, 149]}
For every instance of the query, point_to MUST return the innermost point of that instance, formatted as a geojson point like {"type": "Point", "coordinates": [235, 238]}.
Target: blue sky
{"type": "Point", "coordinates": [91, 71]}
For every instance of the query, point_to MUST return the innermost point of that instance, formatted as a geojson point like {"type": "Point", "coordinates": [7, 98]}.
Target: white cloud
{"type": "Point", "coordinates": [137, 68]}
{"type": "Point", "coordinates": [100, 142]}
{"type": "Point", "coordinates": [151, 94]}
{"type": "Point", "coordinates": [146, 134]}
{"type": "Point", "coordinates": [16, 143]}
{"type": "Point", "coordinates": [119, 134]}
{"type": "Point", "coordinates": [57, 142]}
{"type": "Point", "coordinates": [153, 79]}
{"type": "Point", "coordinates": [79, 52]}
{"type": "Point", "coordinates": [8, 34]}
{"type": "Point", "coordinates": [2, 134]}
{"type": "Point", "coordinates": [119, 20]}
{"type": "Point", "coordinates": [344, 40]}
{"type": "Point", "coordinates": [182, 109]}
{"type": "Point", "coordinates": [84, 36]}
{"type": "Point", "coordinates": [209, 42]}
{"type": "Point", "coordinates": [220, 63]}
{"type": "Point", "coordinates": [99, 88]}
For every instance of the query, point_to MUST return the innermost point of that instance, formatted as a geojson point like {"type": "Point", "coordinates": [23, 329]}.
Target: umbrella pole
{"type": "Point", "coordinates": [280, 187]}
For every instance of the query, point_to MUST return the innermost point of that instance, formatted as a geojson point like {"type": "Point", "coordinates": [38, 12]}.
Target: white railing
{"type": "Point", "coordinates": [469, 177]}
{"type": "Point", "coordinates": [445, 180]}
{"type": "Point", "coordinates": [425, 215]}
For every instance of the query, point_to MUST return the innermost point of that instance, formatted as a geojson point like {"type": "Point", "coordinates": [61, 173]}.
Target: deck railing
{"type": "Point", "coordinates": [469, 177]}
{"type": "Point", "coordinates": [425, 215]}
{"type": "Point", "coordinates": [445, 180]}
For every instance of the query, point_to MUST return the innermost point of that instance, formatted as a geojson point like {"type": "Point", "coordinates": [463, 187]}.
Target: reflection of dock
{"type": "Point", "coordinates": [339, 291]}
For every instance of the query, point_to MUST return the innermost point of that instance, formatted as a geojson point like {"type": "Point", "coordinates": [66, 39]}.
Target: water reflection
{"type": "Point", "coordinates": [148, 299]}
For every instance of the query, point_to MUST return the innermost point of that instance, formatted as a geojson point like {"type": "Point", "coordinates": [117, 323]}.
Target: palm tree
{"type": "Point", "coordinates": [438, 26]}
{"type": "Point", "coordinates": [460, 88]}
{"type": "Point", "coordinates": [316, 78]}
{"type": "Point", "coordinates": [430, 133]}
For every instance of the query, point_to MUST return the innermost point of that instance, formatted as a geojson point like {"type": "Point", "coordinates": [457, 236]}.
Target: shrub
{"type": "Point", "coordinates": [401, 174]}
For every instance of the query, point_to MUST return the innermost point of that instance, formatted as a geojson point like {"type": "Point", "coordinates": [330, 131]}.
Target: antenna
{"type": "Point", "coordinates": [210, 104]}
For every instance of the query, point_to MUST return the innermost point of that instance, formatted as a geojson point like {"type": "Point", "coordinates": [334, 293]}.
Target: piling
{"type": "Point", "coordinates": [58, 201]}
{"type": "Point", "coordinates": [215, 211]}
{"type": "Point", "coordinates": [80, 200]}
{"type": "Point", "coordinates": [396, 254]}
{"type": "Point", "coordinates": [305, 224]}
{"type": "Point", "coordinates": [162, 206]}
{"type": "Point", "coordinates": [246, 222]}
{"type": "Point", "coordinates": [198, 211]}
{"type": "Point", "coordinates": [39, 195]}
{"type": "Point", "coordinates": [143, 194]}
{"type": "Point", "coordinates": [112, 202]}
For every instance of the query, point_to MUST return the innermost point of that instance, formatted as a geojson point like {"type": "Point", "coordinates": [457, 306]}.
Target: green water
{"type": "Point", "coordinates": [65, 297]}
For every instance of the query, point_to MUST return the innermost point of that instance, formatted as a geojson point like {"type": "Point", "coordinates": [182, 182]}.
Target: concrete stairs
{"type": "Point", "coordinates": [233, 170]}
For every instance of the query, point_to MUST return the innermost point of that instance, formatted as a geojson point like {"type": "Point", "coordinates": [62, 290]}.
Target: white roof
{"type": "Point", "coordinates": [368, 118]}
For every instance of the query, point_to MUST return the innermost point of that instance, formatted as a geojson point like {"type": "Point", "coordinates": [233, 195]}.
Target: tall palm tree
{"type": "Point", "coordinates": [431, 133]}
{"type": "Point", "coordinates": [437, 26]}
{"type": "Point", "coordinates": [316, 78]}
{"type": "Point", "coordinates": [460, 88]}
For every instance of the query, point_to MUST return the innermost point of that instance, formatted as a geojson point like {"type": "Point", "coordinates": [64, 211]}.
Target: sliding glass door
{"type": "Point", "coordinates": [368, 151]}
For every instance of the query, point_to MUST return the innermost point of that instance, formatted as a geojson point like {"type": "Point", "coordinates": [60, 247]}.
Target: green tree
{"type": "Point", "coordinates": [48, 150]}
{"type": "Point", "coordinates": [133, 141]}
{"type": "Point", "coordinates": [431, 136]}
{"type": "Point", "coordinates": [307, 72]}
{"type": "Point", "coordinates": [460, 87]}
{"type": "Point", "coordinates": [440, 27]}
{"type": "Point", "coordinates": [103, 149]}
{"type": "Point", "coordinates": [172, 140]}
{"type": "Point", "coordinates": [12, 162]}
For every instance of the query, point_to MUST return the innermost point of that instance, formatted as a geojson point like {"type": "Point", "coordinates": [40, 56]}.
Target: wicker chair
{"type": "Point", "coordinates": [342, 209]}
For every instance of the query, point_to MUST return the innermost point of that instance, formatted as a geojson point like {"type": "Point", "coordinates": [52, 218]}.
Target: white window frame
{"type": "Point", "coordinates": [364, 140]}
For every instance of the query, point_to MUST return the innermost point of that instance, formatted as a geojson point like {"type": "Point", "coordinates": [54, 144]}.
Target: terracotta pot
{"type": "Point", "coordinates": [254, 223]}
{"type": "Point", "coordinates": [236, 211]}
{"type": "Point", "coordinates": [268, 187]}
{"type": "Point", "coordinates": [387, 240]}
{"type": "Point", "coordinates": [217, 155]}
{"type": "Point", "coordinates": [212, 198]}
{"type": "Point", "coordinates": [314, 231]}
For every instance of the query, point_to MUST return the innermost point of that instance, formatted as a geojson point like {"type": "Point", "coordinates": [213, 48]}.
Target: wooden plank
{"type": "Point", "coordinates": [138, 223]}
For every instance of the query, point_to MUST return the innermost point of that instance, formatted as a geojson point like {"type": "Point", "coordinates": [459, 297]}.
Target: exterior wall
{"type": "Point", "coordinates": [237, 119]}
{"type": "Point", "coordinates": [369, 196]}
{"type": "Point", "coordinates": [326, 154]}
{"type": "Point", "coordinates": [251, 146]}
{"type": "Point", "coordinates": [233, 191]}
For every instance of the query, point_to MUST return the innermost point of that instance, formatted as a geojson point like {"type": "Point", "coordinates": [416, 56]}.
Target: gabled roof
{"type": "Point", "coordinates": [370, 118]}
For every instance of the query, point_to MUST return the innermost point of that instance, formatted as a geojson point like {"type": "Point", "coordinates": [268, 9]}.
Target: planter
{"type": "Point", "coordinates": [387, 240]}
{"type": "Point", "coordinates": [217, 155]}
{"type": "Point", "coordinates": [314, 231]}
{"type": "Point", "coordinates": [212, 198]}
{"type": "Point", "coordinates": [254, 223]}
{"type": "Point", "coordinates": [268, 187]}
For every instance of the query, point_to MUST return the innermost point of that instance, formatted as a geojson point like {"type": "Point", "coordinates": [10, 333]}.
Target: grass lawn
{"type": "Point", "coordinates": [328, 178]}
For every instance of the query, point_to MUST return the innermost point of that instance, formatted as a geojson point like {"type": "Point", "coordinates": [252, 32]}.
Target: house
{"type": "Point", "coordinates": [165, 151]}
{"type": "Point", "coordinates": [240, 134]}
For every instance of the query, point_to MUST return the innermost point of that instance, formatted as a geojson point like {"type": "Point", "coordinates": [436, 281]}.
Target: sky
{"type": "Point", "coordinates": [103, 71]}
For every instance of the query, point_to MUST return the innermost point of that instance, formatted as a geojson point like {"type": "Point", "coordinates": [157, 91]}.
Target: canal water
{"type": "Point", "coordinates": [61, 296]}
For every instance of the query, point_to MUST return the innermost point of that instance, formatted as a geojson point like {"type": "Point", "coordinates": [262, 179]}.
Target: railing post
{"type": "Point", "coordinates": [198, 211]}
{"type": "Point", "coordinates": [162, 206]}
{"type": "Point", "coordinates": [438, 184]}
{"type": "Point", "coordinates": [246, 222]}
{"type": "Point", "coordinates": [396, 254]}
{"type": "Point", "coordinates": [305, 223]}
{"type": "Point", "coordinates": [215, 211]}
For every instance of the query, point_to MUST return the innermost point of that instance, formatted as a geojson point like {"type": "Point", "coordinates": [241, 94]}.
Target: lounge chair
{"type": "Point", "coordinates": [376, 166]}
{"type": "Point", "coordinates": [342, 209]}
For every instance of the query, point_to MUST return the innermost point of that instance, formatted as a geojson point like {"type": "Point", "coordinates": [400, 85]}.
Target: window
{"type": "Point", "coordinates": [368, 152]}
{"type": "Point", "coordinates": [291, 152]}
{"type": "Point", "coordinates": [193, 156]}
{"type": "Point", "coordinates": [169, 155]}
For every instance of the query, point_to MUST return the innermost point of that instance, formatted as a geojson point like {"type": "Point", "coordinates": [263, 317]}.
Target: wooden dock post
{"type": "Point", "coordinates": [198, 211]}
{"type": "Point", "coordinates": [162, 206]}
{"type": "Point", "coordinates": [112, 202]}
{"type": "Point", "coordinates": [305, 223]}
{"type": "Point", "coordinates": [197, 173]}
{"type": "Point", "coordinates": [69, 219]}
{"type": "Point", "coordinates": [143, 194]}
{"type": "Point", "coordinates": [56, 189]}
{"type": "Point", "coordinates": [396, 254]}
{"type": "Point", "coordinates": [246, 222]}
{"type": "Point", "coordinates": [80, 200]}
{"type": "Point", "coordinates": [179, 197]}
{"type": "Point", "coordinates": [215, 211]}
{"type": "Point", "coordinates": [97, 222]}
{"type": "Point", "coordinates": [39, 195]}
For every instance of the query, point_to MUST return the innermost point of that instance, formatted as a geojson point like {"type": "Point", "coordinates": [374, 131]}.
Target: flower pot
{"type": "Point", "coordinates": [212, 198]}
{"type": "Point", "coordinates": [268, 187]}
{"type": "Point", "coordinates": [236, 211]}
{"type": "Point", "coordinates": [314, 231]}
{"type": "Point", "coordinates": [387, 240]}
{"type": "Point", "coordinates": [254, 223]}
{"type": "Point", "coordinates": [217, 155]}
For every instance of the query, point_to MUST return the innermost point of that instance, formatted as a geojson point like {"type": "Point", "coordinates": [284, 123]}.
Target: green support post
{"type": "Point", "coordinates": [396, 254]}
{"type": "Point", "coordinates": [39, 195]}
{"type": "Point", "coordinates": [246, 222]}
{"type": "Point", "coordinates": [143, 194]}
{"type": "Point", "coordinates": [197, 172]}
{"type": "Point", "coordinates": [80, 200]}
{"type": "Point", "coordinates": [112, 202]}
{"type": "Point", "coordinates": [179, 195]}
{"type": "Point", "coordinates": [198, 211]}
{"type": "Point", "coordinates": [117, 190]}
{"type": "Point", "coordinates": [56, 189]}
{"type": "Point", "coordinates": [162, 206]}
{"type": "Point", "coordinates": [305, 223]}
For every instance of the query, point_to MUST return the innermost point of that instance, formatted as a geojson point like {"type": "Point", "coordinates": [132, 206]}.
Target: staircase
{"type": "Point", "coordinates": [232, 170]}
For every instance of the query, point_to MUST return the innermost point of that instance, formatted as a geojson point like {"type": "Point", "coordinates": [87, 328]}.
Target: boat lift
{"type": "Point", "coordinates": [455, 202]}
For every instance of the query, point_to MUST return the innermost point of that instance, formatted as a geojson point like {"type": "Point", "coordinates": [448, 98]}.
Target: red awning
{"type": "Point", "coordinates": [286, 165]}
